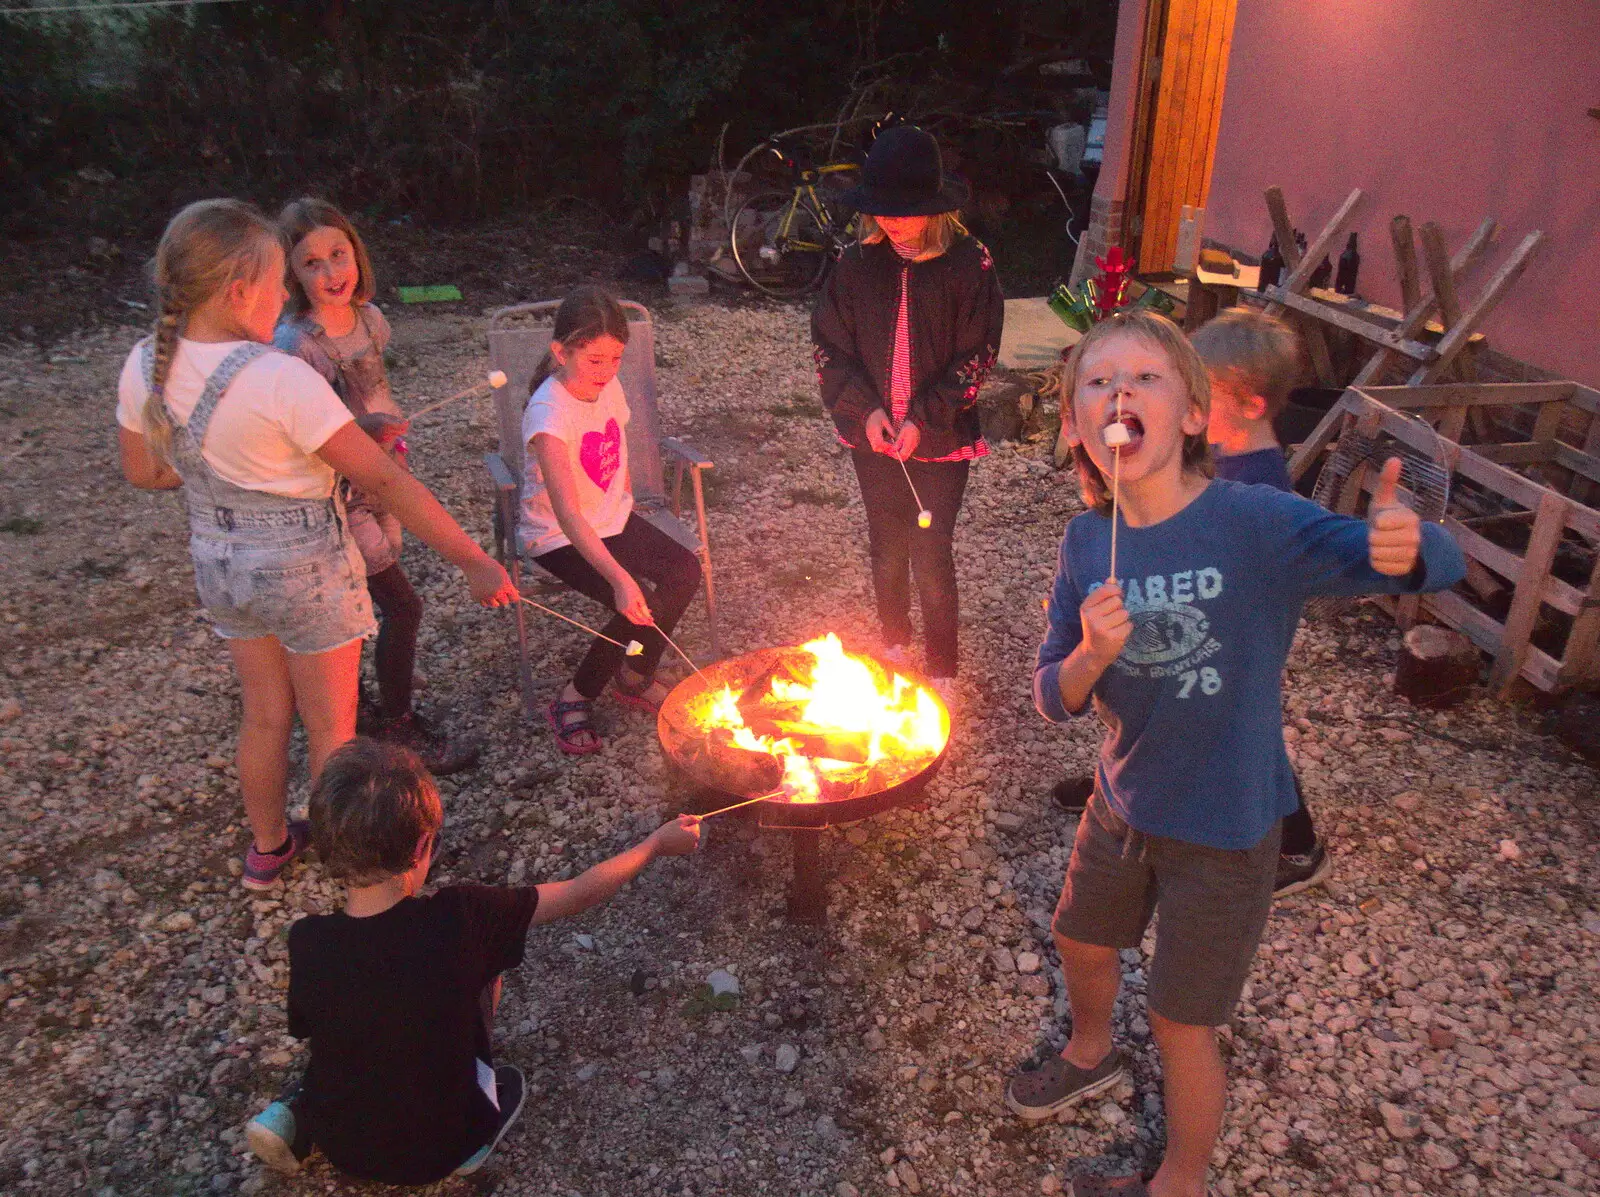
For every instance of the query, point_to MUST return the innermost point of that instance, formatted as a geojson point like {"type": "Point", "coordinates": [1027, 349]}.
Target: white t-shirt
{"type": "Point", "coordinates": [597, 448]}
{"type": "Point", "coordinates": [267, 426]}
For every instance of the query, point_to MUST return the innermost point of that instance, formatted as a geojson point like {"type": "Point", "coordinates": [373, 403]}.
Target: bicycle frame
{"type": "Point", "coordinates": [806, 189]}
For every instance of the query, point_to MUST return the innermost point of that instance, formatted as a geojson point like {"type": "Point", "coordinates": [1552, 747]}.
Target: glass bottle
{"type": "Point", "coordinates": [1349, 268]}
{"type": "Point", "coordinates": [1271, 266]}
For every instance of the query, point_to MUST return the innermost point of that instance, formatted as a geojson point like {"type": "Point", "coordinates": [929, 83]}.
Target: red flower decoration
{"type": "Point", "coordinates": [1111, 287]}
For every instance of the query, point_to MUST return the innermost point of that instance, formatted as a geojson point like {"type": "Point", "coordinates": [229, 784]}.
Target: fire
{"type": "Point", "coordinates": [833, 722]}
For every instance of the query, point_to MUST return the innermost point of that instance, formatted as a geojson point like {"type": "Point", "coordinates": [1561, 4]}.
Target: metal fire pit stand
{"type": "Point", "coordinates": [805, 823]}
{"type": "Point", "coordinates": [808, 889]}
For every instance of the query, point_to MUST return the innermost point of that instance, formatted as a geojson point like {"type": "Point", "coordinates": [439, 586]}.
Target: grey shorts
{"type": "Point", "coordinates": [307, 588]}
{"type": "Point", "coordinates": [1211, 906]}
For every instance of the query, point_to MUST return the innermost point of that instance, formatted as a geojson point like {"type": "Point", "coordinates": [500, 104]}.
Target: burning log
{"type": "Point", "coordinates": [809, 739]}
{"type": "Point", "coordinates": [747, 770]}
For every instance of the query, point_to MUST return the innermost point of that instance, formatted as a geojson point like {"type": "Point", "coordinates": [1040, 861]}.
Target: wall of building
{"type": "Point", "coordinates": [1105, 206]}
{"type": "Point", "coordinates": [1439, 110]}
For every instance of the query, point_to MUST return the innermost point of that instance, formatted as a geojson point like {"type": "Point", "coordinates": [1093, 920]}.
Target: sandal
{"type": "Point", "coordinates": [635, 694]}
{"type": "Point", "coordinates": [570, 733]}
{"type": "Point", "coordinates": [1056, 1085]}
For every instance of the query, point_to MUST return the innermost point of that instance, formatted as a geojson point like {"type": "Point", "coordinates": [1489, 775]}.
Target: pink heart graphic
{"type": "Point", "coordinates": [600, 454]}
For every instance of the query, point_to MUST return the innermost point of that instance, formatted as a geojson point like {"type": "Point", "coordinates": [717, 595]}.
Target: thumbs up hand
{"type": "Point", "coordinates": [1394, 533]}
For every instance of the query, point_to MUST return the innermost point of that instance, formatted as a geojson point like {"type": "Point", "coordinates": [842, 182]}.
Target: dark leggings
{"type": "Point", "coordinates": [1299, 835]}
{"type": "Point", "coordinates": [901, 550]}
{"type": "Point", "coordinates": [396, 655]}
{"type": "Point", "coordinates": [650, 555]}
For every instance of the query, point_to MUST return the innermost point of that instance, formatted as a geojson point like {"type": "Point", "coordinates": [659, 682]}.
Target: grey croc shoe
{"type": "Point", "coordinates": [1055, 1085]}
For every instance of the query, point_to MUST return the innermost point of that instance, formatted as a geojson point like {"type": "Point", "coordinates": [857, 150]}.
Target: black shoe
{"type": "Point", "coordinates": [439, 752]}
{"type": "Point", "coordinates": [1301, 872]}
{"type": "Point", "coordinates": [510, 1089]}
{"type": "Point", "coordinates": [1072, 793]}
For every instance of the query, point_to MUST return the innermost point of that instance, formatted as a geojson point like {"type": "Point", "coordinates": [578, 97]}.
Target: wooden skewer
{"type": "Point", "coordinates": [747, 802]}
{"type": "Point", "coordinates": [924, 516]}
{"type": "Point", "coordinates": [633, 648]}
{"type": "Point", "coordinates": [495, 379]}
{"type": "Point", "coordinates": [678, 650]}
{"type": "Point", "coordinates": [1116, 490]}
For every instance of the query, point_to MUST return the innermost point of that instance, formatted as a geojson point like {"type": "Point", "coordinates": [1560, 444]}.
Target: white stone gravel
{"type": "Point", "coordinates": [1426, 1024]}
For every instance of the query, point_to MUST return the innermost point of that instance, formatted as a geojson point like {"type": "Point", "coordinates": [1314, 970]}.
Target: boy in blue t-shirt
{"type": "Point", "coordinates": [1253, 361]}
{"type": "Point", "coordinates": [1181, 653]}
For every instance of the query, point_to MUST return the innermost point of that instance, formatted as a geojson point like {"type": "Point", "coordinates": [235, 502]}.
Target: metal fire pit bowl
{"type": "Point", "coordinates": [686, 752]}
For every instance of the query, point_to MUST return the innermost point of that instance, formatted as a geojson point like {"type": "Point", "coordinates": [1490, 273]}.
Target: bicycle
{"type": "Point", "coordinates": [785, 242]}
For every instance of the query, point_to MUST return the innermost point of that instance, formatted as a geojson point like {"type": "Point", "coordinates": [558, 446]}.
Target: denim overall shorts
{"type": "Point", "coordinates": [264, 564]}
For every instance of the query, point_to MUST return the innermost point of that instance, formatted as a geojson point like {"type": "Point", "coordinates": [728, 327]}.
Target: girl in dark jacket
{"type": "Point", "coordinates": [905, 330]}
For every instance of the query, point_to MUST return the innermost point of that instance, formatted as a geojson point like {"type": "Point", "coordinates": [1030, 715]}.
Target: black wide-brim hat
{"type": "Point", "coordinates": [904, 176]}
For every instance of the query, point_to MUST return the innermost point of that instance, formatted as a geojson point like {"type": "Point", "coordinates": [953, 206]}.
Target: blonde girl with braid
{"type": "Point", "coordinates": [257, 439]}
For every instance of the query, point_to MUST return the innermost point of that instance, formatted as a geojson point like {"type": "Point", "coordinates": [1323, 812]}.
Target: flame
{"type": "Point", "coordinates": [901, 721]}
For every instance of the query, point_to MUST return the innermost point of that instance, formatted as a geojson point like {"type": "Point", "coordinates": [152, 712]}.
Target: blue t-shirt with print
{"type": "Point", "coordinates": [1193, 707]}
{"type": "Point", "coordinates": [1264, 466]}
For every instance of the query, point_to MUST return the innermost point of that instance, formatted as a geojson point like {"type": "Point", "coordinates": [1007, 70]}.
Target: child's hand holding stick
{"type": "Point", "coordinates": [1106, 623]}
{"type": "Point", "coordinates": [1394, 531]}
{"type": "Point", "coordinates": [880, 432]}
{"type": "Point", "coordinates": [680, 837]}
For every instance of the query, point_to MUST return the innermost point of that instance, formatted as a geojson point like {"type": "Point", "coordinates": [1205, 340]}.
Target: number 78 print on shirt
{"type": "Point", "coordinates": [1171, 635]}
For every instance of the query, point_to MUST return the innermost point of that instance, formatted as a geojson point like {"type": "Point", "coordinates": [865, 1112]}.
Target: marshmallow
{"type": "Point", "coordinates": [1116, 435]}
{"type": "Point", "coordinates": [924, 519]}
{"type": "Point", "coordinates": [497, 378]}
{"type": "Point", "coordinates": [635, 649]}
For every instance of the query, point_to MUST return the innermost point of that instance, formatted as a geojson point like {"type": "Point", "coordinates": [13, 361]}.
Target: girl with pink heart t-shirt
{"type": "Point", "coordinates": [596, 436]}
{"type": "Point", "coordinates": [578, 523]}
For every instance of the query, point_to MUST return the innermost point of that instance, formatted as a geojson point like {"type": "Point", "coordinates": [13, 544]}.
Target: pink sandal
{"type": "Point", "coordinates": [569, 735]}
{"type": "Point", "coordinates": [633, 695]}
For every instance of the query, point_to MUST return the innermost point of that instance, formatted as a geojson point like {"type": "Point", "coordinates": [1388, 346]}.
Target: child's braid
{"type": "Point", "coordinates": [207, 246]}
{"type": "Point", "coordinates": [158, 425]}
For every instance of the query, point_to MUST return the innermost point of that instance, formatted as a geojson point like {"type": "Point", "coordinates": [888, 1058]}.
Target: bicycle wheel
{"type": "Point", "coordinates": [780, 245]}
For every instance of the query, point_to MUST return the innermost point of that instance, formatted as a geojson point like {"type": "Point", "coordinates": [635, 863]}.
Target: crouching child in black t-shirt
{"type": "Point", "coordinates": [397, 992]}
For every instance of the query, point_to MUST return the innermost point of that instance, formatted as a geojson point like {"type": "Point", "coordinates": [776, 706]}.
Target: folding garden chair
{"type": "Point", "coordinates": [519, 336]}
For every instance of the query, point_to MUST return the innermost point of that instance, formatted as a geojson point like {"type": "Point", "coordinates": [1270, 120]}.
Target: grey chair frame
{"type": "Point", "coordinates": [519, 336]}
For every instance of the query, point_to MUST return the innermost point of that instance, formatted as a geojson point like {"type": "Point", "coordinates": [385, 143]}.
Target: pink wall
{"type": "Point", "coordinates": [1440, 110]}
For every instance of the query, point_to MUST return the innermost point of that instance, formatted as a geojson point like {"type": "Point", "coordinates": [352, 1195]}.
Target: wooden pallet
{"type": "Point", "coordinates": [1530, 479]}
{"type": "Point", "coordinates": [1398, 345]}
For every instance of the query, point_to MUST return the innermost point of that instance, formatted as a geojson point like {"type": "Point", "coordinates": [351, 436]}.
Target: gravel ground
{"type": "Point", "coordinates": [1426, 1024]}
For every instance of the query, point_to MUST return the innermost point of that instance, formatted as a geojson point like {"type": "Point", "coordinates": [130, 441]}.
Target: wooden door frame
{"type": "Point", "coordinates": [1185, 126]}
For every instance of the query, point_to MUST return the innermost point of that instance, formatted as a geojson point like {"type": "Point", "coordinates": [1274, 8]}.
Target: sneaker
{"type": "Point", "coordinates": [439, 752]}
{"type": "Point", "coordinates": [1072, 794]}
{"type": "Point", "coordinates": [1056, 1085]}
{"type": "Point", "coordinates": [511, 1089]}
{"type": "Point", "coordinates": [1296, 873]}
{"type": "Point", "coordinates": [272, 1135]}
{"type": "Point", "coordinates": [263, 870]}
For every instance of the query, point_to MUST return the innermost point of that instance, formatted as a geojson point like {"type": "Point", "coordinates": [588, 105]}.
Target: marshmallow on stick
{"type": "Point", "coordinates": [1116, 437]}
{"type": "Point", "coordinates": [924, 516]}
{"type": "Point", "coordinates": [495, 380]}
